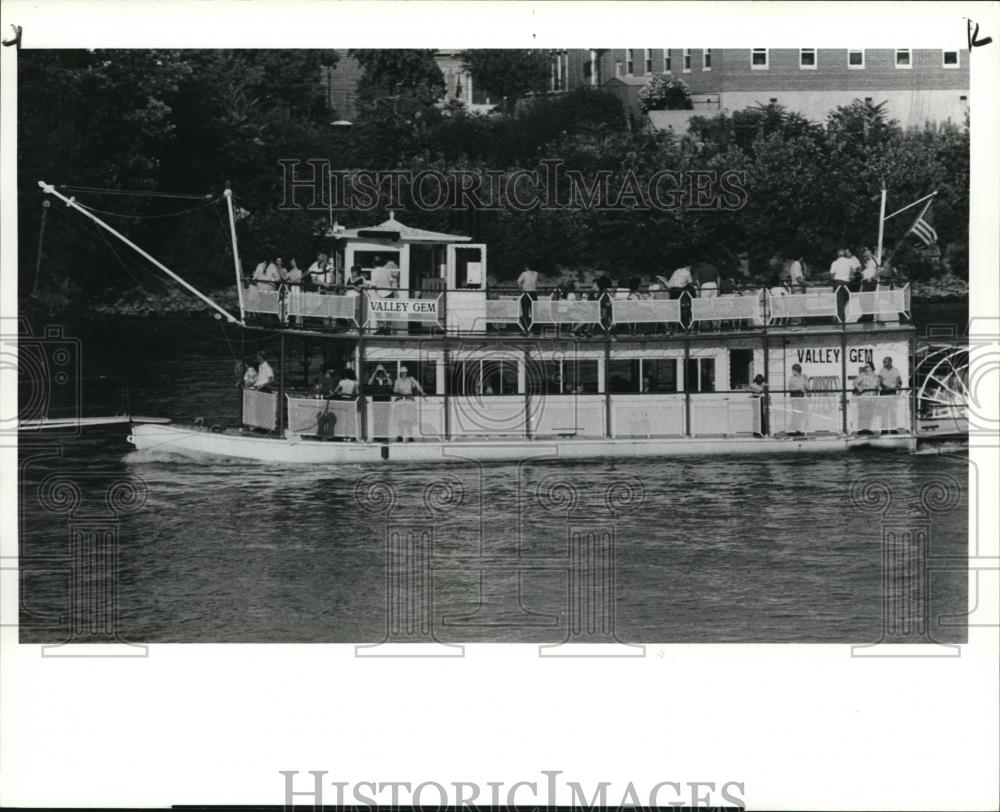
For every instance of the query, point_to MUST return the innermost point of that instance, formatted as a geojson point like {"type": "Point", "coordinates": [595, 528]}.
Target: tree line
{"type": "Point", "coordinates": [171, 122]}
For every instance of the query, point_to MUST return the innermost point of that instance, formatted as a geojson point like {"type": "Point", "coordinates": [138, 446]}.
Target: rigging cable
{"type": "Point", "coordinates": [148, 216]}
{"type": "Point", "coordinates": [133, 192]}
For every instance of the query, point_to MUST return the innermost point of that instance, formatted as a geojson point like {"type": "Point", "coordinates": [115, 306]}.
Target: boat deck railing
{"type": "Point", "coordinates": [591, 415]}
{"type": "Point", "coordinates": [510, 311]}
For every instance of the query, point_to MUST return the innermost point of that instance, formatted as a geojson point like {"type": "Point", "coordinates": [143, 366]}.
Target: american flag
{"type": "Point", "coordinates": [923, 229]}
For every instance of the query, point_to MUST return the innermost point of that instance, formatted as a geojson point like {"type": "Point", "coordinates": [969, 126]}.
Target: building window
{"type": "Point", "coordinates": [629, 62]}
{"type": "Point", "coordinates": [619, 68]}
{"type": "Point", "coordinates": [592, 70]}
{"type": "Point", "coordinates": [807, 58]}
{"type": "Point", "coordinates": [868, 99]}
{"type": "Point", "coordinates": [666, 60]}
{"type": "Point", "coordinates": [772, 101]}
{"type": "Point", "coordinates": [706, 60]}
{"type": "Point", "coordinates": [856, 59]}
{"type": "Point", "coordinates": [963, 98]}
{"type": "Point", "coordinates": [758, 59]}
{"type": "Point", "coordinates": [903, 58]}
{"type": "Point", "coordinates": [949, 59]}
{"type": "Point", "coordinates": [648, 61]}
{"type": "Point", "coordinates": [687, 60]}
{"type": "Point", "coordinates": [560, 71]}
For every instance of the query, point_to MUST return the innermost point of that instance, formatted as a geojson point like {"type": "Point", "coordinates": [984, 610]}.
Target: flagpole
{"type": "Point", "coordinates": [236, 251]}
{"type": "Point", "coordinates": [881, 227]}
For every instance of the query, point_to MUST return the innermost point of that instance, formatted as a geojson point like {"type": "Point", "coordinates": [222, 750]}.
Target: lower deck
{"type": "Point", "coordinates": [198, 441]}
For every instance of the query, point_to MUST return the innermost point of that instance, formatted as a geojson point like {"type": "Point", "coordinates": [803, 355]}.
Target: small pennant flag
{"type": "Point", "coordinates": [923, 229]}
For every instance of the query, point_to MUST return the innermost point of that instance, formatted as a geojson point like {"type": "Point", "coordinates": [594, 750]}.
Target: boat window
{"type": "Point", "coordinates": [699, 375]}
{"type": "Point", "coordinates": [580, 376]}
{"type": "Point", "coordinates": [499, 378]}
{"type": "Point", "coordinates": [659, 375]}
{"type": "Point", "coordinates": [375, 259]}
{"type": "Point", "coordinates": [483, 378]}
{"type": "Point", "coordinates": [624, 375]}
{"type": "Point", "coordinates": [740, 368]}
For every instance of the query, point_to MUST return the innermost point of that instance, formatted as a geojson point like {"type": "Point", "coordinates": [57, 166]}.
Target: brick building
{"type": "Point", "coordinates": [919, 85]}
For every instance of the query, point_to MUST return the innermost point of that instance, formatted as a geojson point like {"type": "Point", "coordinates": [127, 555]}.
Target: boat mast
{"type": "Point", "coordinates": [49, 189]}
{"type": "Point", "coordinates": [236, 251]}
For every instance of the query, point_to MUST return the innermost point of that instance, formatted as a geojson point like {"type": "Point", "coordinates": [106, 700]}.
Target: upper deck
{"type": "Point", "coordinates": [398, 281]}
{"type": "Point", "coordinates": [508, 315]}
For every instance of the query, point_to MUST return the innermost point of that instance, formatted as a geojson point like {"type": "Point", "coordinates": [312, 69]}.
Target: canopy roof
{"type": "Point", "coordinates": [393, 229]}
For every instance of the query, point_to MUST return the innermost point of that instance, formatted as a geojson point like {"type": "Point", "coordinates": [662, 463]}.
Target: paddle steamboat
{"type": "Point", "coordinates": [494, 374]}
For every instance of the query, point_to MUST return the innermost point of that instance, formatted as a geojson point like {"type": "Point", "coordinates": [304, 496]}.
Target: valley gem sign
{"type": "Point", "coordinates": [379, 310]}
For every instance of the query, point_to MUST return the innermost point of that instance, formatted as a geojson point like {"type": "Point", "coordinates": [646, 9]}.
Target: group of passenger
{"type": "Point", "coordinates": [324, 276]}
{"type": "Point", "coordinates": [259, 377]}
{"type": "Point", "coordinates": [887, 381]}
{"type": "Point", "coordinates": [332, 384]}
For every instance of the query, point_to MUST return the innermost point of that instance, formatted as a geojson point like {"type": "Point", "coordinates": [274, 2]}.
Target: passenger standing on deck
{"type": "Point", "coordinates": [382, 284]}
{"type": "Point", "coordinates": [840, 273]}
{"type": "Point", "coordinates": [707, 276]}
{"type": "Point", "coordinates": [890, 382]}
{"type": "Point", "coordinates": [680, 281]}
{"type": "Point", "coordinates": [855, 283]}
{"type": "Point", "coordinates": [869, 272]}
{"type": "Point", "coordinates": [866, 385]}
{"type": "Point", "coordinates": [266, 276]}
{"type": "Point", "coordinates": [320, 273]}
{"type": "Point", "coordinates": [758, 390]}
{"type": "Point", "coordinates": [347, 387]}
{"type": "Point", "coordinates": [796, 276]}
{"type": "Point", "coordinates": [890, 379]}
{"type": "Point", "coordinates": [249, 375]}
{"type": "Point", "coordinates": [265, 375]}
{"type": "Point", "coordinates": [327, 383]}
{"type": "Point", "coordinates": [405, 389]}
{"type": "Point", "coordinates": [527, 282]}
{"type": "Point", "coordinates": [798, 386]}
{"type": "Point", "coordinates": [294, 276]}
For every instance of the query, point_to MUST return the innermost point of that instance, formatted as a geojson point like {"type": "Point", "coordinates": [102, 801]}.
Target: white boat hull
{"type": "Point", "coordinates": [190, 441]}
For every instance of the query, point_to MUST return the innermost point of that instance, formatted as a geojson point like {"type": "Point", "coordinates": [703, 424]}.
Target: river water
{"type": "Point", "coordinates": [824, 548]}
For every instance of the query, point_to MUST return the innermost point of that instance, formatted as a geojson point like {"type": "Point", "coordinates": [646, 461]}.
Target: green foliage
{"type": "Point", "coordinates": [664, 93]}
{"type": "Point", "coordinates": [398, 72]}
{"type": "Point", "coordinates": [508, 75]}
{"type": "Point", "coordinates": [188, 121]}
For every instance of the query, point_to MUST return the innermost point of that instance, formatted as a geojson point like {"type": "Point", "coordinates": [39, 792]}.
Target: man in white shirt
{"type": "Point", "coordinates": [321, 272]}
{"type": "Point", "coordinates": [528, 280]}
{"type": "Point", "coordinates": [383, 287]}
{"type": "Point", "coordinates": [679, 280]}
{"type": "Point", "coordinates": [528, 283]}
{"type": "Point", "coordinates": [382, 279]}
{"type": "Point", "coordinates": [265, 375]}
{"type": "Point", "coordinates": [266, 276]}
{"type": "Point", "coordinates": [841, 270]}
